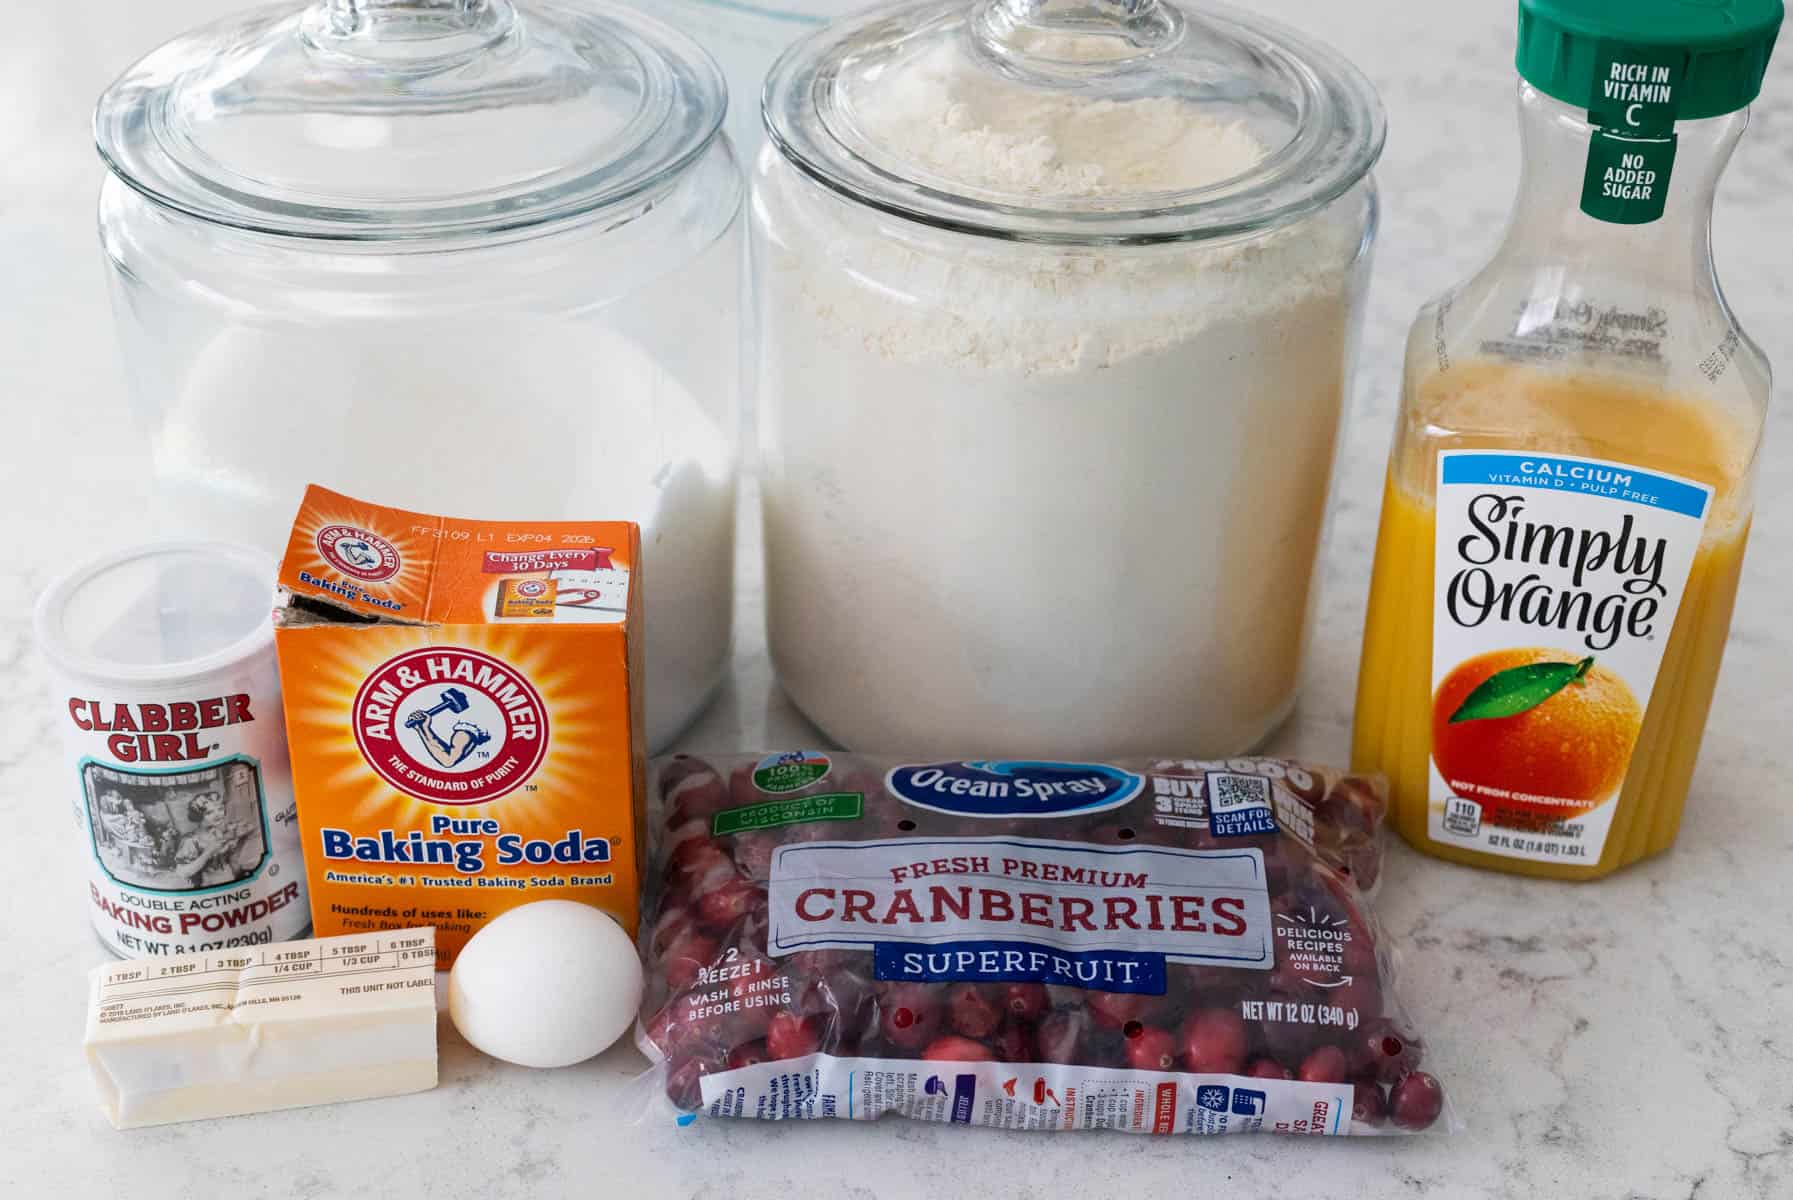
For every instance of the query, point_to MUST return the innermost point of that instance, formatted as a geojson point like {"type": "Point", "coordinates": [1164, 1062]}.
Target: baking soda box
{"type": "Point", "coordinates": [464, 714]}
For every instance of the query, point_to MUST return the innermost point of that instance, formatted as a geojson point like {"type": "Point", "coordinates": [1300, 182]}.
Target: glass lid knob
{"type": "Point", "coordinates": [420, 33]}
{"type": "Point", "coordinates": [1062, 40]}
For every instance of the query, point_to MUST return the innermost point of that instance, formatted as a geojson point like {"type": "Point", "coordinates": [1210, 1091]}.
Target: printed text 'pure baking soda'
{"type": "Point", "coordinates": [464, 716]}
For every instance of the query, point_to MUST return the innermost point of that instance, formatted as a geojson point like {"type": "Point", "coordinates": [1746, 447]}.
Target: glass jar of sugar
{"type": "Point", "coordinates": [479, 257]}
{"type": "Point", "coordinates": [1056, 303]}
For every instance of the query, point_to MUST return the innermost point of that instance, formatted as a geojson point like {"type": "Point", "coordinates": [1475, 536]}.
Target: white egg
{"type": "Point", "coordinates": [546, 985]}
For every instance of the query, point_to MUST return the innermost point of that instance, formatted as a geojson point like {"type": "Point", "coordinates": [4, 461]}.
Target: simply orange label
{"type": "Point", "coordinates": [464, 714]}
{"type": "Point", "coordinates": [1557, 580]}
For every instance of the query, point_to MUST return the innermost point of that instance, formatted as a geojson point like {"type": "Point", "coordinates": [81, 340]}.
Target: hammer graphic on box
{"type": "Point", "coordinates": [454, 749]}
{"type": "Point", "coordinates": [453, 700]}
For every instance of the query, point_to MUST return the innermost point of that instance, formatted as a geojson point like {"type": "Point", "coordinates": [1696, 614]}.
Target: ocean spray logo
{"type": "Point", "coordinates": [359, 553]}
{"type": "Point", "coordinates": [450, 725]}
{"type": "Point", "coordinates": [1014, 789]}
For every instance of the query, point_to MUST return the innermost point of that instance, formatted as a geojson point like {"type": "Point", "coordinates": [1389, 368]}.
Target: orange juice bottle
{"type": "Point", "coordinates": [1569, 491]}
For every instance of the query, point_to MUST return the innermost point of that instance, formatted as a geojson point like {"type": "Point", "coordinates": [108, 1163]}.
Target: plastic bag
{"type": "Point", "coordinates": [1165, 946]}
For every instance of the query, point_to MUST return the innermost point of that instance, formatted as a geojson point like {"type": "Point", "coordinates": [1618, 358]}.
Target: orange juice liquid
{"type": "Point", "coordinates": [1497, 405]}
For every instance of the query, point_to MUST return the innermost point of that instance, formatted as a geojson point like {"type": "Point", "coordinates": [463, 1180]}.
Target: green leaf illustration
{"type": "Point", "coordinates": [1512, 691]}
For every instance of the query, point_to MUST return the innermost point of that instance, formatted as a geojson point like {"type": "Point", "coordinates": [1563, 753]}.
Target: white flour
{"type": "Point", "coordinates": [977, 130]}
{"type": "Point", "coordinates": [1021, 499]}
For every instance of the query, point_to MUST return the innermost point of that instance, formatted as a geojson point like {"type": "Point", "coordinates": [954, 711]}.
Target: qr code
{"type": "Point", "coordinates": [1239, 805]}
{"type": "Point", "coordinates": [1229, 793]}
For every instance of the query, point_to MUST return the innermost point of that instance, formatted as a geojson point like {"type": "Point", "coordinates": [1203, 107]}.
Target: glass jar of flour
{"type": "Point", "coordinates": [1057, 301]}
{"type": "Point", "coordinates": [479, 257]}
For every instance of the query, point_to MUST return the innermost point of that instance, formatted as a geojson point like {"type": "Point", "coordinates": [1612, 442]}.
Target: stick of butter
{"type": "Point", "coordinates": [258, 1028]}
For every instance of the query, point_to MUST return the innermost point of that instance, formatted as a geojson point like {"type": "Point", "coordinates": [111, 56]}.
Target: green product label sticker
{"type": "Point", "coordinates": [1627, 178]}
{"type": "Point", "coordinates": [1636, 96]}
{"type": "Point", "coordinates": [829, 806]}
{"type": "Point", "coordinates": [790, 771]}
{"type": "Point", "coordinates": [1637, 89]}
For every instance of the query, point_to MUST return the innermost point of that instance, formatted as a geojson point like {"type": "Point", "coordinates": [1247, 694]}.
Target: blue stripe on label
{"type": "Point", "coordinates": [1021, 962]}
{"type": "Point", "coordinates": [1580, 476]}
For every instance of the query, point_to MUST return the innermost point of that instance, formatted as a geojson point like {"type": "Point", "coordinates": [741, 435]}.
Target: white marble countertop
{"type": "Point", "coordinates": [1623, 1041]}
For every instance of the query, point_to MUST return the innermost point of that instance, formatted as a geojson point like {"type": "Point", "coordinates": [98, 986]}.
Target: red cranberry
{"type": "Point", "coordinates": [1014, 1042]}
{"type": "Point", "coordinates": [685, 955]}
{"type": "Point", "coordinates": [1415, 1100]}
{"type": "Point", "coordinates": [751, 933]}
{"type": "Point", "coordinates": [1287, 1040]}
{"type": "Point", "coordinates": [1024, 1001]}
{"type": "Point", "coordinates": [683, 858]}
{"type": "Point", "coordinates": [681, 1033]}
{"type": "Point", "coordinates": [1381, 1051]}
{"type": "Point", "coordinates": [685, 831]}
{"type": "Point", "coordinates": [1325, 1065]}
{"type": "Point", "coordinates": [909, 1015]}
{"type": "Point", "coordinates": [669, 1030]}
{"type": "Point", "coordinates": [1363, 996]}
{"type": "Point", "coordinates": [970, 1011]}
{"type": "Point", "coordinates": [1208, 987]}
{"type": "Point", "coordinates": [1366, 865]}
{"type": "Point", "coordinates": [842, 998]}
{"type": "Point", "coordinates": [1287, 978]}
{"type": "Point", "coordinates": [791, 1036]}
{"type": "Point", "coordinates": [1214, 1042]}
{"type": "Point", "coordinates": [754, 979]}
{"type": "Point", "coordinates": [953, 1048]}
{"type": "Point", "coordinates": [753, 853]}
{"type": "Point", "coordinates": [677, 766]}
{"type": "Point", "coordinates": [1358, 959]}
{"type": "Point", "coordinates": [674, 920]}
{"type": "Point", "coordinates": [1343, 897]}
{"type": "Point", "coordinates": [1285, 860]}
{"type": "Point", "coordinates": [741, 788]}
{"type": "Point", "coordinates": [821, 963]}
{"type": "Point", "coordinates": [698, 796]}
{"type": "Point", "coordinates": [699, 867]}
{"type": "Point", "coordinates": [1368, 1105]}
{"type": "Point", "coordinates": [684, 1082]}
{"type": "Point", "coordinates": [1268, 1068]}
{"type": "Point", "coordinates": [733, 901]}
{"type": "Point", "coordinates": [1111, 1010]}
{"type": "Point", "coordinates": [1061, 1035]}
{"type": "Point", "coordinates": [1151, 1049]}
{"type": "Point", "coordinates": [747, 1054]}
{"type": "Point", "coordinates": [1356, 802]}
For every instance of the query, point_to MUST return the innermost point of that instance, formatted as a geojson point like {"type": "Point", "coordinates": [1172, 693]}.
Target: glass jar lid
{"type": "Point", "coordinates": [384, 119]}
{"type": "Point", "coordinates": [1083, 121]}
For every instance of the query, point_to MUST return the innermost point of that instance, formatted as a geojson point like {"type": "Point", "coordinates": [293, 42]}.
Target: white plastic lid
{"type": "Point", "coordinates": [160, 613]}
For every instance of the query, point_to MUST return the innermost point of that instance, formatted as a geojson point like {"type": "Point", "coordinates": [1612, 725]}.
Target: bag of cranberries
{"type": "Point", "coordinates": [1170, 946]}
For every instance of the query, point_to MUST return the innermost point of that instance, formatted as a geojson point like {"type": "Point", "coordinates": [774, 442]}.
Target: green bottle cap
{"type": "Point", "coordinates": [1683, 59]}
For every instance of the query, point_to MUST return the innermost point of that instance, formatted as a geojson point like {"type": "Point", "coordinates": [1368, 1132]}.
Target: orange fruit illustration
{"type": "Point", "coordinates": [1556, 760]}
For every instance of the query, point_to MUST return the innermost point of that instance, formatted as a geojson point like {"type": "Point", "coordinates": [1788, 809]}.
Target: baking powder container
{"type": "Point", "coordinates": [163, 683]}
